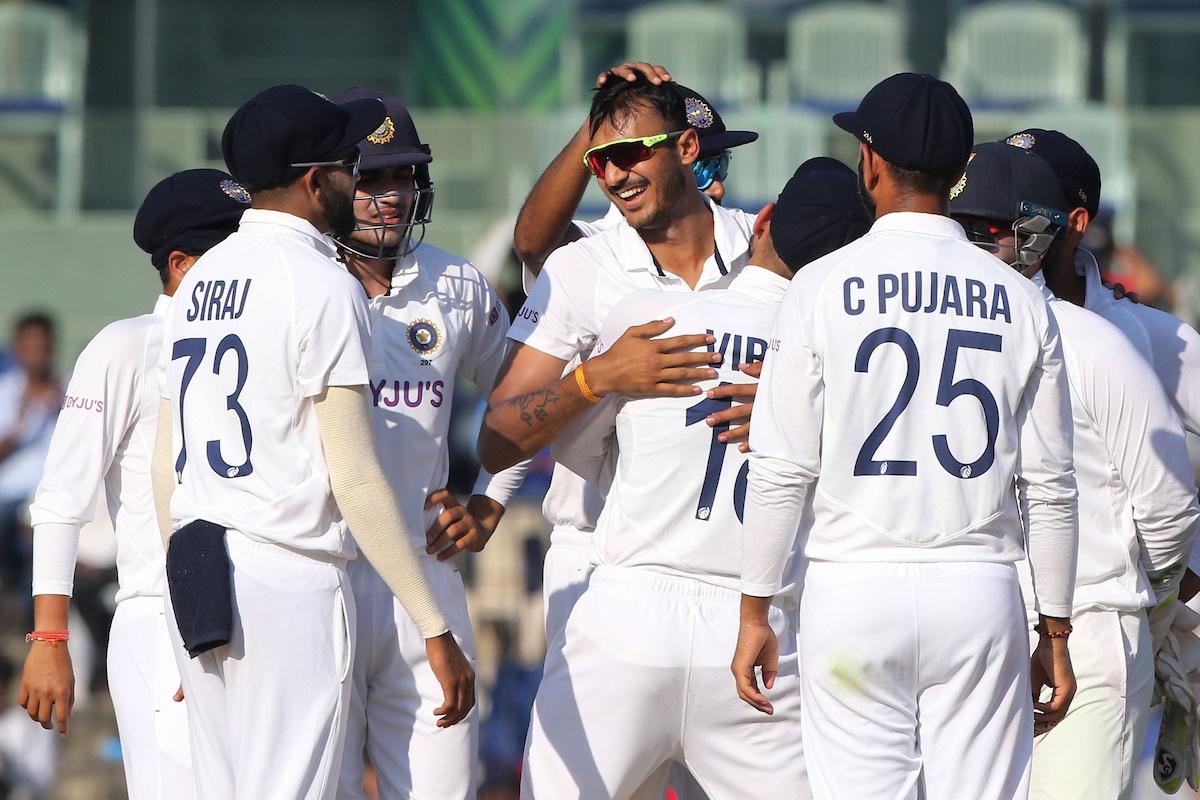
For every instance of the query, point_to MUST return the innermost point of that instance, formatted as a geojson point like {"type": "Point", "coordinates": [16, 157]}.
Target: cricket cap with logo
{"type": "Point", "coordinates": [715, 138]}
{"type": "Point", "coordinates": [395, 142]}
{"type": "Point", "coordinates": [913, 121]}
{"type": "Point", "coordinates": [287, 125]}
{"type": "Point", "coordinates": [190, 211]}
{"type": "Point", "coordinates": [1078, 174]}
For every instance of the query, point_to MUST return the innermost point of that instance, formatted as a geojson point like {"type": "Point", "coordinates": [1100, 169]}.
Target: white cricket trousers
{"type": "Point", "coordinates": [565, 572]}
{"type": "Point", "coordinates": [391, 718]}
{"type": "Point", "coordinates": [267, 712]}
{"type": "Point", "coordinates": [1094, 751]}
{"type": "Point", "coordinates": [142, 680]}
{"type": "Point", "coordinates": [642, 678]}
{"type": "Point", "coordinates": [916, 681]}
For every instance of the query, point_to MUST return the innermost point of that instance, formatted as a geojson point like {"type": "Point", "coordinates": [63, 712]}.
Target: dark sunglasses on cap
{"type": "Point", "coordinates": [710, 170]}
{"type": "Point", "coordinates": [352, 161]}
{"type": "Point", "coordinates": [625, 153]}
{"type": "Point", "coordinates": [984, 230]}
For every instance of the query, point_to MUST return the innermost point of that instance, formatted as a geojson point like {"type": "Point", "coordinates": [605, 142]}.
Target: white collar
{"type": "Point", "coordinates": [760, 280]}
{"type": "Point", "coordinates": [161, 306]}
{"type": "Point", "coordinates": [290, 225]}
{"type": "Point", "coordinates": [1095, 295]}
{"type": "Point", "coordinates": [916, 222]}
{"type": "Point", "coordinates": [732, 244]}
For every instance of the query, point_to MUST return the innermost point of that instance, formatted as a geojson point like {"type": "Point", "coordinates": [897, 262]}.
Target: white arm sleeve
{"type": "Point", "coordinates": [1046, 479]}
{"type": "Point", "coordinates": [489, 325]}
{"type": "Point", "coordinates": [99, 407]}
{"type": "Point", "coordinates": [785, 454]}
{"type": "Point", "coordinates": [1145, 440]}
{"type": "Point", "coordinates": [366, 501]}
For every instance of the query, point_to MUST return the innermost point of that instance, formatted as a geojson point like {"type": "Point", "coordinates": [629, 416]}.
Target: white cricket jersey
{"type": "Point", "coordinates": [104, 440]}
{"type": "Point", "coordinates": [1170, 345]}
{"type": "Point", "coordinates": [1137, 503]}
{"type": "Point", "coordinates": [440, 319]}
{"type": "Point", "coordinates": [911, 376]}
{"type": "Point", "coordinates": [677, 497]}
{"type": "Point", "coordinates": [578, 288]}
{"type": "Point", "coordinates": [262, 325]}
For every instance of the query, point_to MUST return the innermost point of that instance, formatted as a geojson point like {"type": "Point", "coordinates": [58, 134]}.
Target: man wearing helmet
{"type": "Point", "coordinates": [1137, 508]}
{"type": "Point", "coordinates": [433, 317]}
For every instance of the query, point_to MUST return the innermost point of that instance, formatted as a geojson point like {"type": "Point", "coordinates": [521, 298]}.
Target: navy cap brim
{"type": "Point", "coordinates": [365, 116]}
{"type": "Point", "coordinates": [385, 160]}
{"type": "Point", "coordinates": [848, 121]}
{"type": "Point", "coordinates": [718, 142]}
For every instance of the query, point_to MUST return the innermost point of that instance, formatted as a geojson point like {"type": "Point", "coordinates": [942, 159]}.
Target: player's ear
{"type": "Point", "coordinates": [688, 147]}
{"type": "Point", "coordinates": [1077, 223]}
{"type": "Point", "coordinates": [762, 223]}
{"type": "Point", "coordinates": [870, 164]}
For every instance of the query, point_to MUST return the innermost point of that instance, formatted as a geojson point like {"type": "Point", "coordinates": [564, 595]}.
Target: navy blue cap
{"type": "Point", "coordinates": [714, 137]}
{"type": "Point", "coordinates": [818, 211]}
{"type": "Point", "coordinates": [189, 211]}
{"type": "Point", "coordinates": [915, 122]}
{"type": "Point", "coordinates": [287, 125]}
{"type": "Point", "coordinates": [395, 142]}
{"type": "Point", "coordinates": [999, 179]}
{"type": "Point", "coordinates": [1078, 174]}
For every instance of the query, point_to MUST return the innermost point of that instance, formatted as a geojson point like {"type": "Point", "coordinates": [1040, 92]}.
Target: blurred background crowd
{"type": "Point", "coordinates": [99, 100]}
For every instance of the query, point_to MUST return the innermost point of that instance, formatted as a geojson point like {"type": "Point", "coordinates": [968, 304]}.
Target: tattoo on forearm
{"type": "Point", "coordinates": [536, 406]}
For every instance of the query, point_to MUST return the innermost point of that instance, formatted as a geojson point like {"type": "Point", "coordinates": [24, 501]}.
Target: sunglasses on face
{"type": "Point", "coordinates": [351, 161]}
{"type": "Point", "coordinates": [986, 231]}
{"type": "Point", "coordinates": [710, 170]}
{"type": "Point", "coordinates": [625, 153]}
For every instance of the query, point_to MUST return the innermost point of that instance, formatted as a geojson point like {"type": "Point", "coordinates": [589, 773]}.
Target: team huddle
{"type": "Point", "coordinates": [888, 450]}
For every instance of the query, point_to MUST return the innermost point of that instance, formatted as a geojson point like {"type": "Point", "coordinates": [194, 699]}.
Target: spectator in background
{"type": "Point", "coordinates": [30, 396]}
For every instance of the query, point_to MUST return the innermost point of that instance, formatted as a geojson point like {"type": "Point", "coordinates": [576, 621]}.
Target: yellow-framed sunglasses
{"type": "Point", "coordinates": [625, 153]}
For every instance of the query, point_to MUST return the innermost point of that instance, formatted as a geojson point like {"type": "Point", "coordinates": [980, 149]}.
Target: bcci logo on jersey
{"type": "Point", "coordinates": [424, 336]}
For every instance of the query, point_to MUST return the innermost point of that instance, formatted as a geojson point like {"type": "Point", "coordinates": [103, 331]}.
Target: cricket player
{"type": "Point", "coordinates": [103, 444]}
{"type": "Point", "coordinates": [545, 224]}
{"type": "Point", "coordinates": [264, 369]}
{"type": "Point", "coordinates": [1137, 497]}
{"type": "Point", "coordinates": [911, 377]}
{"type": "Point", "coordinates": [433, 317]}
{"type": "Point", "coordinates": [671, 238]}
{"type": "Point", "coordinates": [1170, 345]}
{"type": "Point", "coordinates": [655, 625]}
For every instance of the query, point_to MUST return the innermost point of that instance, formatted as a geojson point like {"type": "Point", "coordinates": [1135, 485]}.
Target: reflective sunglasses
{"type": "Point", "coordinates": [352, 161]}
{"type": "Point", "coordinates": [625, 153]}
{"type": "Point", "coordinates": [710, 170]}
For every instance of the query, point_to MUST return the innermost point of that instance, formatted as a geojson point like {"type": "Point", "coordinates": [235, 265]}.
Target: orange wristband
{"type": "Point", "coordinates": [584, 389]}
{"type": "Point", "coordinates": [47, 636]}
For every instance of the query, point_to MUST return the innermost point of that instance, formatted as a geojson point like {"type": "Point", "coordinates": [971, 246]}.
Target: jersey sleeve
{"type": "Point", "coordinates": [100, 406]}
{"type": "Point", "coordinates": [1046, 477]}
{"type": "Point", "coordinates": [785, 448]}
{"type": "Point", "coordinates": [1146, 443]}
{"type": "Point", "coordinates": [333, 325]}
{"type": "Point", "coordinates": [555, 317]}
{"type": "Point", "coordinates": [488, 337]}
{"type": "Point", "coordinates": [1177, 364]}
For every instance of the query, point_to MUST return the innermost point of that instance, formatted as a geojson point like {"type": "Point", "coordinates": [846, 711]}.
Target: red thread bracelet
{"type": "Point", "coordinates": [47, 636]}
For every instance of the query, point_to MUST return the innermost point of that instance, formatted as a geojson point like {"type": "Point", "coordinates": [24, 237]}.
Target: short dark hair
{"type": "Point", "coordinates": [619, 98]}
{"type": "Point", "coordinates": [927, 183]}
{"type": "Point", "coordinates": [34, 319]}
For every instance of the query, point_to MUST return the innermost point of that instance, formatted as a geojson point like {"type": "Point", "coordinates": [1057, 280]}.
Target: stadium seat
{"type": "Point", "coordinates": [1015, 54]}
{"type": "Point", "coordinates": [1152, 53]}
{"type": "Point", "coordinates": [42, 55]}
{"type": "Point", "coordinates": [758, 171]}
{"type": "Point", "coordinates": [704, 44]}
{"type": "Point", "coordinates": [837, 51]}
